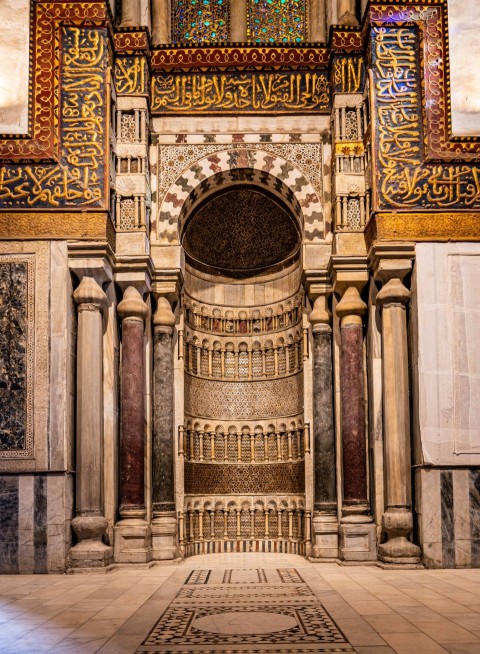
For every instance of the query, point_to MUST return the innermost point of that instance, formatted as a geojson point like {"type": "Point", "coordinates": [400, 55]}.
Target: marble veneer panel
{"type": "Point", "coordinates": [448, 313]}
{"type": "Point", "coordinates": [448, 510]}
{"type": "Point", "coordinates": [35, 515]}
{"type": "Point", "coordinates": [24, 355]}
{"type": "Point", "coordinates": [15, 347]}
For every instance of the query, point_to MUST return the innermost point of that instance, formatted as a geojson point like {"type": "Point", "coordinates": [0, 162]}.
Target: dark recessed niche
{"type": "Point", "coordinates": [241, 232]}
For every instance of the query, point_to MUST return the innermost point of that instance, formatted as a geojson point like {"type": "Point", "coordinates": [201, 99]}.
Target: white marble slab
{"type": "Point", "coordinates": [449, 352]}
{"type": "Point", "coordinates": [464, 29]}
{"type": "Point", "coordinates": [14, 55]}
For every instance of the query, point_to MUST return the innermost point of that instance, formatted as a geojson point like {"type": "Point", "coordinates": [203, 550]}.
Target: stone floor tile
{"type": "Point", "coordinates": [359, 632]}
{"type": "Point", "coordinates": [379, 649]}
{"type": "Point", "coordinates": [413, 643]}
{"type": "Point", "coordinates": [390, 624]}
{"type": "Point", "coordinates": [370, 607]}
{"type": "Point", "coordinates": [462, 648]}
{"type": "Point", "coordinates": [447, 632]}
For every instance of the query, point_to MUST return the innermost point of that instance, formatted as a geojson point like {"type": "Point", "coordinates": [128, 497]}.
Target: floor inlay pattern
{"type": "Point", "coordinates": [254, 611]}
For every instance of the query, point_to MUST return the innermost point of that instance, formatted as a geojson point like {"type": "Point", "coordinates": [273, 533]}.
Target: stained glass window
{"type": "Point", "coordinates": [198, 21]}
{"type": "Point", "coordinates": [277, 21]}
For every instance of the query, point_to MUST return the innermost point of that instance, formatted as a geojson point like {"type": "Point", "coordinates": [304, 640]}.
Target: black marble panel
{"type": "Point", "coordinates": [40, 524]}
{"type": "Point", "coordinates": [448, 523]}
{"type": "Point", "coordinates": [474, 492]}
{"type": "Point", "coordinates": [13, 344]}
{"type": "Point", "coordinates": [9, 525]}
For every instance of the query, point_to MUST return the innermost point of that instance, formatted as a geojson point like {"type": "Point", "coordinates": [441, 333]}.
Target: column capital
{"type": "Point", "coordinates": [320, 318]}
{"type": "Point", "coordinates": [389, 260]}
{"type": "Point", "coordinates": [89, 296]}
{"type": "Point", "coordinates": [348, 271]}
{"type": "Point", "coordinates": [163, 318]}
{"type": "Point", "coordinates": [132, 306]}
{"type": "Point", "coordinates": [394, 292]}
{"type": "Point", "coordinates": [351, 306]}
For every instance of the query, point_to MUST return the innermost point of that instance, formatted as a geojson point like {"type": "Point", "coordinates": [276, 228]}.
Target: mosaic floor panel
{"type": "Point", "coordinates": [238, 611]}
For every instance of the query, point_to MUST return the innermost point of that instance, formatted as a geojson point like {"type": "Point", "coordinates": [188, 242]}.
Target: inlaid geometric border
{"type": "Point", "coordinates": [308, 626]}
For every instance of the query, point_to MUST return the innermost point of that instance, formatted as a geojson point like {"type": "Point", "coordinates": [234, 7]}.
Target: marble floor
{"type": "Point", "coordinates": [243, 604]}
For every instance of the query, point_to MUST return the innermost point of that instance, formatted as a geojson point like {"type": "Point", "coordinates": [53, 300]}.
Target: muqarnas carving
{"type": "Point", "coordinates": [13, 355]}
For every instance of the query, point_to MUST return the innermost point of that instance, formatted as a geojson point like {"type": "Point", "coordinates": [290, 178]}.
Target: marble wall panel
{"type": "Point", "coordinates": [26, 284]}
{"type": "Point", "coordinates": [447, 315]}
{"type": "Point", "coordinates": [464, 50]}
{"type": "Point", "coordinates": [448, 512]}
{"type": "Point", "coordinates": [14, 55]}
{"type": "Point", "coordinates": [35, 516]}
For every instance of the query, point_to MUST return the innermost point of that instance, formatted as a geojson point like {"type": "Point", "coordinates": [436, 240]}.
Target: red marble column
{"type": "Point", "coordinates": [357, 531]}
{"type": "Point", "coordinates": [352, 391]}
{"type": "Point", "coordinates": [132, 534]}
{"type": "Point", "coordinates": [132, 310]}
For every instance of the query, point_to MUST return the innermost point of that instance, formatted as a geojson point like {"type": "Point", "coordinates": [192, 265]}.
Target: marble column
{"type": "Point", "coordinates": [238, 21]}
{"type": "Point", "coordinates": [346, 13]}
{"type": "Point", "coordinates": [357, 531]}
{"type": "Point", "coordinates": [397, 521]}
{"type": "Point", "coordinates": [89, 524]}
{"type": "Point", "coordinates": [160, 22]}
{"type": "Point", "coordinates": [325, 524]}
{"type": "Point", "coordinates": [130, 13]}
{"type": "Point", "coordinates": [317, 21]}
{"type": "Point", "coordinates": [132, 532]}
{"type": "Point", "coordinates": [164, 523]}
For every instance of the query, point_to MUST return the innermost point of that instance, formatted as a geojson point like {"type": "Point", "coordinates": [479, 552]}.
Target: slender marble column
{"type": "Point", "coordinates": [397, 521]}
{"type": "Point", "coordinates": [238, 21]}
{"type": "Point", "coordinates": [318, 17]}
{"type": "Point", "coordinates": [132, 533]}
{"type": "Point", "coordinates": [325, 493]}
{"type": "Point", "coordinates": [89, 524]}
{"type": "Point", "coordinates": [355, 504]}
{"type": "Point", "coordinates": [325, 527]}
{"type": "Point", "coordinates": [349, 310]}
{"type": "Point", "coordinates": [346, 13]}
{"type": "Point", "coordinates": [160, 22]}
{"type": "Point", "coordinates": [130, 13]}
{"type": "Point", "coordinates": [163, 490]}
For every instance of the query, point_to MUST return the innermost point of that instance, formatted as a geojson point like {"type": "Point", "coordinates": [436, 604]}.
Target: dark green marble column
{"type": "Point", "coordinates": [163, 451]}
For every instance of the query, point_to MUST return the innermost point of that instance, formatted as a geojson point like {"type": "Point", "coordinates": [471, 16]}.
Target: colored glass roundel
{"type": "Point", "coordinates": [277, 21]}
{"type": "Point", "coordinates": [199, 21]}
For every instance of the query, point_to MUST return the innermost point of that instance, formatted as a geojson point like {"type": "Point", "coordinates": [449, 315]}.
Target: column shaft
{"type": "Point", "coordinates": [89, 450]}
{"type": "Point", "coordinates": [132, 464]}
{"type": "Point", "coordinates": [325, 495]}
{"type": "Point", "coordinates": [160, 22]}
{"type": "Point", "coordinates": [353, 415]}
{"type": "Point", "coordinates": [238, 21]}
{"type": "Point", "coordinates": [163, 484]}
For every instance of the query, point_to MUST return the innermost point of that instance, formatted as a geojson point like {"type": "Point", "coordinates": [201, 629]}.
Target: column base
{"type": "Point", "coordinates": [164, 536]}
{"type": "Point", "coordinates": [133, 541]}
{"type": "Point", "coordinates": [398, 525]}
{"type": "Point", "coordinates": [324, 537]}
{"type": "Point", "coordinates": [358, 539]}
{"type": "Point", "coordinates": [90, 551]}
